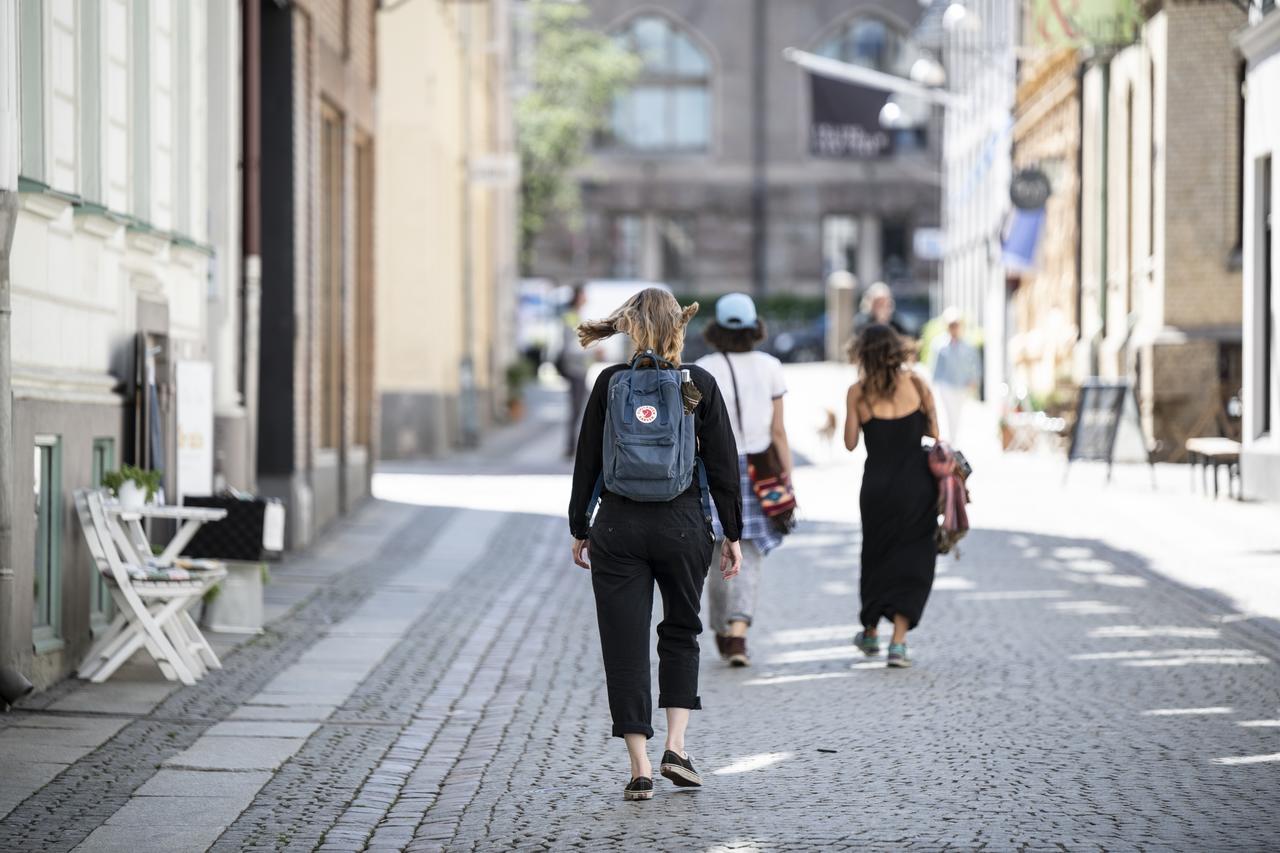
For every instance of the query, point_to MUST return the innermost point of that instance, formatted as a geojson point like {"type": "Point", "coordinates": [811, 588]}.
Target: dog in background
{"type": "Point", "coordinates": [827, 432]}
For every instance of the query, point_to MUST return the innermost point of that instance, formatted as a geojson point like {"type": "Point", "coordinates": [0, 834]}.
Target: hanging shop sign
{"type": "Point", "coordinates": [1053, 24]}
{"type": "Point", "coordinates": [845, 120]}
{"type": "Point", "coordinates": [1029, 189]}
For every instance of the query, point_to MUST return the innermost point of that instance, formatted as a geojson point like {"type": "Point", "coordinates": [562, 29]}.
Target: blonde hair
{"type": "Point", "coordinates": [652, 318]}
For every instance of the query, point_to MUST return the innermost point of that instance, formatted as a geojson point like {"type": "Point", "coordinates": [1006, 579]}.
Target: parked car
{"type": "Point", "coordinates": [803, 343]}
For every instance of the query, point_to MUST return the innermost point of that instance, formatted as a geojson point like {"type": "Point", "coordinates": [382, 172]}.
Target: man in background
{"type": "Point", "coordinates": [572, 364]}
{"type": "Point", "coordinates": [955, 373]}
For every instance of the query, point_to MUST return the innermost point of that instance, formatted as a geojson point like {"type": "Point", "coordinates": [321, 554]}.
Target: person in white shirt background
{"type": "Point", "coordinates": [753, 385]}
{"type": "Point", "coordinates": [955, 373]}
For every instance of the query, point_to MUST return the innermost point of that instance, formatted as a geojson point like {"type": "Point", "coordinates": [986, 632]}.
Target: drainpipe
{"type": "Point", "coordinates": [251, 238]}
{"type": "Point", "coordinates": [13, 684]}
{"type": "Point", "coordinates": [470, 436]}
{"type": "Point", "coordinates": [1104, 169]}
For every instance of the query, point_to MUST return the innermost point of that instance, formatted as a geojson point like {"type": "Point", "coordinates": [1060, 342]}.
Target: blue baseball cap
{"type": "Point", "coordinates": [736, 311]}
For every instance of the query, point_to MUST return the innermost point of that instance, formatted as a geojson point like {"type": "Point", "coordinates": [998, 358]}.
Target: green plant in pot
{"type": "Point", "coordinates": [519, 374]}
{"type": "Point", "coordinates": [132, 485]}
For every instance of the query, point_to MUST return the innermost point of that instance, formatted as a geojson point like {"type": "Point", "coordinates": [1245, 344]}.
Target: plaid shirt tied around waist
{"type": "Point", "coordinates": [755, 524]}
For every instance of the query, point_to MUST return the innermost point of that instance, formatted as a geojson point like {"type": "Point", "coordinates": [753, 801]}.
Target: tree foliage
{"type": "Point", "coordinates": [576, 73]}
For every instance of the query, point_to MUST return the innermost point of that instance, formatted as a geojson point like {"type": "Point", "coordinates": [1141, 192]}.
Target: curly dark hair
{"type": "Point", "coordinates": [734, 340]}
{"type": "Point", "coordinates": [880, 353]}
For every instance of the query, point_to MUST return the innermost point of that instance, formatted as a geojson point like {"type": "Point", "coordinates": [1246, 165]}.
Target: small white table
{"type": "Point", "coordinates": [192, 518]}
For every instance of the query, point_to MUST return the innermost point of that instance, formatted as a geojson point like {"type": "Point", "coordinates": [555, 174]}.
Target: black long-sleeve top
{"type": "Point", "coordinates": [716, 448]}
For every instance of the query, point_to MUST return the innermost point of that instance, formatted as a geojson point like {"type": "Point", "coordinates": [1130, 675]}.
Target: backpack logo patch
{"type": "Point", "coordinates": [646, 414]}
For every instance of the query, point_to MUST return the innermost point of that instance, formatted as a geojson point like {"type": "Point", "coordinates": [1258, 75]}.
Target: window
{"type": "Point", "coordinates": [329, 305]}
{"type": "Point", "coordinates": [1266, 307]}
{"type": "Point", "coordinates": [839, 244]}
{"type": "Point", "coordinates": [101, 608]}
{"type": "Point", "coordinates": [31, 94]}
{"type": "Point", "coordinates": [668, 108]}
{"type": "Point", "coordinates": [47, 504]}
{"type": "Point", "coordinates": [626, 244]}
{"type": "Point", "coordinates": [654, 246]}
{"type": "Point", "coordinates": [675, 246]}
{"type": "Point", "coordinates": [140, 110]}
{"type": "Point", "coordinates": [895, 250]}
{"type": "Point", "coordinates": [91, 101]}
{"type": "Point", "coordinates": [868, 42]}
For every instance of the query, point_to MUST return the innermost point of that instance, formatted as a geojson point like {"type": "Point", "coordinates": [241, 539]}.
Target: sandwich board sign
{"type": "Point", "coordinates": [1108, 427]}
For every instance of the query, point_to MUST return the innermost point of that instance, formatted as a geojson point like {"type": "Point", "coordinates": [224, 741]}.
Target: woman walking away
{"type": "Point", "coordinates": [899, 499]}
{"type": "Point", "coordinates": [752, 385]}
{"type": "Point", "coordinates": [636, 452]}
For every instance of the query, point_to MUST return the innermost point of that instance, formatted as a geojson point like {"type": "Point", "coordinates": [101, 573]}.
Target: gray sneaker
{"type": "Point", "coordinates": [869, 646]}
{"type": "Point", "coordinates": [898, 657]}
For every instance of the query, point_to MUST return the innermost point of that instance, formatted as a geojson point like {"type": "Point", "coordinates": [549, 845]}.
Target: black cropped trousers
{"type": "Point", "coordinates": [634, 545]}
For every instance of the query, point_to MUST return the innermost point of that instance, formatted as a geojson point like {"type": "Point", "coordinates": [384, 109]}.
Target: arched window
{"type": "Point", "coordinates": [668, 107]}
{"type": "Point", "coordinates": [868, 42]}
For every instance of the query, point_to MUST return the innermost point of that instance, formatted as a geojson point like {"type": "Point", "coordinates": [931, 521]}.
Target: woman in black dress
{"type": "Point", "coordinates": [899, 499]}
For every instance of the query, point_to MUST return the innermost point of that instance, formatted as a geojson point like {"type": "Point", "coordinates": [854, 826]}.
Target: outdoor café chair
{"type": "Point", "coordinates": [151, 604]}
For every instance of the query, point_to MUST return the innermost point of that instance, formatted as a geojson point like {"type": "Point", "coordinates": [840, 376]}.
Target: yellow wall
{"type": "Point", "coordinates": [420, 187]}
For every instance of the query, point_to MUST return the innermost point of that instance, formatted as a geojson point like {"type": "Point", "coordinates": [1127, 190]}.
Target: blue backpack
{"type": "Point", "coordinates": [650, 446]}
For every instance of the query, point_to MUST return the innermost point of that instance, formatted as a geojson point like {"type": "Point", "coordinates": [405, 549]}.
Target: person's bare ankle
{"type": "Point", "coordinates": [639, 770]}
{"type": "Point", "coordinates": [678, 750]}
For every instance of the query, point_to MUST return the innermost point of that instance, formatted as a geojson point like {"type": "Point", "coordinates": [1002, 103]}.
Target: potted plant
{"type": "Point", "coordinates": [133, 486]}
{"type": "Point", "coordinates": [519, 373]}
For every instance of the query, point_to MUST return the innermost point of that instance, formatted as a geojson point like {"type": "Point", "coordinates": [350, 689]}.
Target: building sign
{"type": "Point", "coordinates": [1029, 189]}
{"type": "Point", "coordinates": [1056, 24]}
{"type": "Point", "coordinates": [194, 393]}
{"type": "Point", "coordinates": [1108, 428]}
{"type": "Point", "coordinates": [845, 120]}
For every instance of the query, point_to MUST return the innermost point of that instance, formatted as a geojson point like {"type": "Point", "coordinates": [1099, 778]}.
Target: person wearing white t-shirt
{"type": "Point", "coordinates": [752, 384]}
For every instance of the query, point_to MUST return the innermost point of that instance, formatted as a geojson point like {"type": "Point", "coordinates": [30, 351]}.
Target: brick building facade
{"type": "Point", "coordinates": [316, 422]}
{"type": "Point", "coordinates": [1160, 283]}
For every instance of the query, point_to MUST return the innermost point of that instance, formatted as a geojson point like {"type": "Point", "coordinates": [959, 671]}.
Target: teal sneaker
{"type": "Point", "coordinates": [898, 656]}
{"type": "Point", "coordinates": [869, 646]}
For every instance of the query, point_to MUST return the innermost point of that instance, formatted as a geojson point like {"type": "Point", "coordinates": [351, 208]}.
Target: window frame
{"type": "Point", "coordinates": [670, 82]}
{"type": "Point", "coordinates": [330, 308]}
{"type": "Point", "coordinates": [47, 636]}
{"type": "Point", "coordinates": [101, 606]}
{"type": "Point", "coordinates": [32, 72]}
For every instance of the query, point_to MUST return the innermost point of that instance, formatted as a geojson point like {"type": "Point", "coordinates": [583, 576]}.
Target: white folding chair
{"type": "Point", "coordinates": [151, 609]}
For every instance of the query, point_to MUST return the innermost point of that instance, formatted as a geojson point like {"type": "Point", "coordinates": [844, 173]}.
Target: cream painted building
{"type": "Point", "coordinates": [120, 266]}
{"type": "Point", "coordinates": [446, 241]}
{"type": "Point", "coordinates": [1260, 457]}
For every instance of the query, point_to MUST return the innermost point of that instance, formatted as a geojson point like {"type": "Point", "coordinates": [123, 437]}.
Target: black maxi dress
{"type": "Point", "coordinates": [899, 503]}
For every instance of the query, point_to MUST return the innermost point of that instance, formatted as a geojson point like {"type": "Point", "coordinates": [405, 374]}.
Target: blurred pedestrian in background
{"type": "Point", "coordinates": [899, 497]}
{"type": "Point", "coordinates": [572, 363]}
{"type": "Point", "coordinates": [877, 307]}
{"type": "Point", "coordinates": [752, 384]}
{"type": "Point", "coordinates": [638, 541]}
{"type": "Point", "coordinates": [955, 373]}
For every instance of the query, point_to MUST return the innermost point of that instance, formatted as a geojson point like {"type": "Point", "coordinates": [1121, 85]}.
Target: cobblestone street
{"type": "Point", "coordinates": [439, 687]}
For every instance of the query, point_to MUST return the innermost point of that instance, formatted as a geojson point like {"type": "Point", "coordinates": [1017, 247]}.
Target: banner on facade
{"type": "Point", "coordinates": [845, 120]}
{"type": "Point", "coordinates": [1054, 24]}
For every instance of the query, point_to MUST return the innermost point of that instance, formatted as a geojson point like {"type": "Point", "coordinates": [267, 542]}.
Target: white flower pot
{"type": "Point", "coordinates": [131, 495]}
{"type": "Point", "coordinates": [238, 606]}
